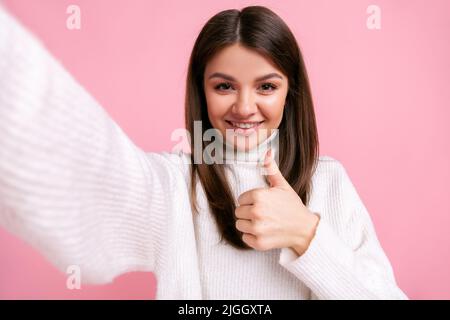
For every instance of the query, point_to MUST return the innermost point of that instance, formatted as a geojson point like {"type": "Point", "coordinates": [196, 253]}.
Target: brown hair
{"type": "Point", "coordinates": [259, 29]}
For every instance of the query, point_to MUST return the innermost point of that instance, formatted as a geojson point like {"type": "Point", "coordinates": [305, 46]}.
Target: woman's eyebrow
{"type": "Point", "coordinates": [230, 78]}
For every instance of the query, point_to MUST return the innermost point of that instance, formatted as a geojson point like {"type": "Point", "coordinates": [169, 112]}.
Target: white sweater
{"type": "Point", "coordinates": [74, 186]}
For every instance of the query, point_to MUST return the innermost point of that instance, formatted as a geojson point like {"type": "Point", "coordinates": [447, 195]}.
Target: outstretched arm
{"type": "Point", "coordinates": [71, 182]}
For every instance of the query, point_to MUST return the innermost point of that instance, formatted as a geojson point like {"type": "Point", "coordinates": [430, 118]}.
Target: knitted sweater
{"type": "Point", "coordinates": [75, 187]}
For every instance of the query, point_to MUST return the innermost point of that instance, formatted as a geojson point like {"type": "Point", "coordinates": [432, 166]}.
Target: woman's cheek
{"type": "Point", "coordinates": [218, 106]}
{"type": "Point", "coordinates": [272, 109]}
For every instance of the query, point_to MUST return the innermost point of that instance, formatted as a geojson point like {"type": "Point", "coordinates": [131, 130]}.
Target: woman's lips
{"type": "Point", "coordinates": [244, 128]}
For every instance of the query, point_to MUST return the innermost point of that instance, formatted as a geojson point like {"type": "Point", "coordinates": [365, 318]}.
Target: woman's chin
{"type": "Point", "coordinates": [245, 143]}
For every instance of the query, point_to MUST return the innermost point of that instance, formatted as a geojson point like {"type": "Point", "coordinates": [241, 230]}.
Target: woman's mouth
{"type": "Point", "coordinates": [244, 128]}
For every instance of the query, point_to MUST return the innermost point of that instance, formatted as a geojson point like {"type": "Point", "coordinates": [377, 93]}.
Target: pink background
{"type": "Point", "coordinates": [381, 96]}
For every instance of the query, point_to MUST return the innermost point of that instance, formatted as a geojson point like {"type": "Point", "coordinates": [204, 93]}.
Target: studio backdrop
{"type": "Point", "coordinates": [380, 76]}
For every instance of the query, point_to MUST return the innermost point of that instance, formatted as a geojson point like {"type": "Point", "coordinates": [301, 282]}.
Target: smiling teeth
{"type": "Point", "coordinates": [245, 125]}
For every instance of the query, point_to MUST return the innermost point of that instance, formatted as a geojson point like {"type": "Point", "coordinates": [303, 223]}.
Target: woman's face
{"type": "Point", "coordinates": [245, 94]}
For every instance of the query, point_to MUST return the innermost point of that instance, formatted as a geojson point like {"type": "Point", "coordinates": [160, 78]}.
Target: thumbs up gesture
{"type": "Point", "coordinates": [275, 217]}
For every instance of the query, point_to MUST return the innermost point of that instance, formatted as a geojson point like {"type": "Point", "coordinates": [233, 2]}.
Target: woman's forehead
{"type": "Point", "coordinates": [240, 63]}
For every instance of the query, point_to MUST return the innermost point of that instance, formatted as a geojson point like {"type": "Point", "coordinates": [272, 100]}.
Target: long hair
{"type": "Point", "coordinates": [260, 29]}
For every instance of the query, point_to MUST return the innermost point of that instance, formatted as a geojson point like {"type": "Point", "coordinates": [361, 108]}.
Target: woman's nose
{"type": "Point", "coordinates": [245, 105]}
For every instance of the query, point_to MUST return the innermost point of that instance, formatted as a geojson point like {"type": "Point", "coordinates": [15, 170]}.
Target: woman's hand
{"type": "Point", "coordinates": [275, 217]}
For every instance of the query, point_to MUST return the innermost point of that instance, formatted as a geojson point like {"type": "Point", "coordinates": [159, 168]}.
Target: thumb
{"type": "Point", "coordinates": [274, 176]}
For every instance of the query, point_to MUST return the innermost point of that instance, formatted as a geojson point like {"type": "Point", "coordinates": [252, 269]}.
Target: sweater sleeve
{"type": "Point", "coordinates": [345, 259]}
{"type": "Point", "coordinates": [71, 182]}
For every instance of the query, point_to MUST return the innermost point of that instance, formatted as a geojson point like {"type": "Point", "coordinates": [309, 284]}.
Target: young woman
{"type": "Point", "coordinates": [74, 186]}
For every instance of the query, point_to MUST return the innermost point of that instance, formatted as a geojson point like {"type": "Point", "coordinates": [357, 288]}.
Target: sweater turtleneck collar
{"type": "Point", "coordinates": [255, 155]}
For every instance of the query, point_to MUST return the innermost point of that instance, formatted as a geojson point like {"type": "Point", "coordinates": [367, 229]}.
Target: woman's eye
{"type": "Point", "coordinates": [267, 87]}
{"type": "Point", "coordinates": [223, 86]}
